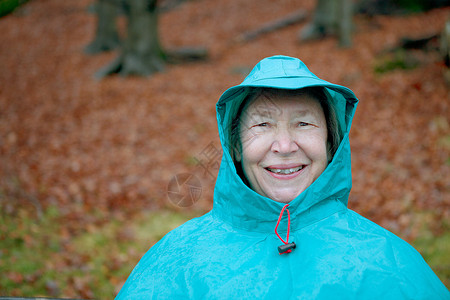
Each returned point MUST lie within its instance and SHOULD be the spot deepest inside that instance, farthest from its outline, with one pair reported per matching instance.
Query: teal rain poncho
(232, 251)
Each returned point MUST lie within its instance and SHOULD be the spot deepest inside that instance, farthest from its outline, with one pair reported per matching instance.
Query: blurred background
(104, 103)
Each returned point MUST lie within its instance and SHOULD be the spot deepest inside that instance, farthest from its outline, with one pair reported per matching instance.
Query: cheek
(254, 147)
(250, 153)
(314, 145)
(321, 151)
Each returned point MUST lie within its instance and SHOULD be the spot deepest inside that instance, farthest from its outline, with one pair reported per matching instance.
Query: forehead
(268, 103)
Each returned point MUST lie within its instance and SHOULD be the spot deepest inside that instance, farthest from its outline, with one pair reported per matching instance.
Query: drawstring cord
(288, 226)
(286, 247)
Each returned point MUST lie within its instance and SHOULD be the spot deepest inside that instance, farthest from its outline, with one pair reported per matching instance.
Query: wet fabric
(232, 251)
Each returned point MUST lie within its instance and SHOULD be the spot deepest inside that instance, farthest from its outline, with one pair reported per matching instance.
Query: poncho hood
(239, 205)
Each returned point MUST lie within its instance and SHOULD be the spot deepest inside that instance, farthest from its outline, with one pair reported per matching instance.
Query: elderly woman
(280, 227)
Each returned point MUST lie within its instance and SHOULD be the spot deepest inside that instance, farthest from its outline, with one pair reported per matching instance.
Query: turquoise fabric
(231, 252)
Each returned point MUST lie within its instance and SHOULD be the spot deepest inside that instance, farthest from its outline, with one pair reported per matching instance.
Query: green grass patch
(39, 258)
(435, 250)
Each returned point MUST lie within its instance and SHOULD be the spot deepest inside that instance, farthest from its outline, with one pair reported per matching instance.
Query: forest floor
(85, 163)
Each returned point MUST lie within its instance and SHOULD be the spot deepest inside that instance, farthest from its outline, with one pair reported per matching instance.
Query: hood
(240, 206)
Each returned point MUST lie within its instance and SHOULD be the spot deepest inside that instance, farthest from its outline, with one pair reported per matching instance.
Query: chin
(287, 200)
(284, 197)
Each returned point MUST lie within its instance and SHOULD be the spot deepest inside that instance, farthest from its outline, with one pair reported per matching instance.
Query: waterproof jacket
(232, 251)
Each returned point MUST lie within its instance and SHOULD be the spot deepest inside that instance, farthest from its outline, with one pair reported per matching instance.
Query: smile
(285, 171)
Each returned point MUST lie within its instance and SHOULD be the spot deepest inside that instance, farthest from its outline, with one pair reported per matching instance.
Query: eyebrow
(262, 113)
(303, 112)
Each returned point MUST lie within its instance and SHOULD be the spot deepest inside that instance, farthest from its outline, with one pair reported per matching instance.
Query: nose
(284, 142)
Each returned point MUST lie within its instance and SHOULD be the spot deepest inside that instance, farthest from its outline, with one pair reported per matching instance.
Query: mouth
(285, 171)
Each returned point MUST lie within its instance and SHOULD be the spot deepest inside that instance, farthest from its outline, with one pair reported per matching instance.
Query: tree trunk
(331, 17)
(345, 24)
(141, 50)
(106, 36)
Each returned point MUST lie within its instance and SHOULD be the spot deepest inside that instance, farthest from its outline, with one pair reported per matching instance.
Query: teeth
(285, 171)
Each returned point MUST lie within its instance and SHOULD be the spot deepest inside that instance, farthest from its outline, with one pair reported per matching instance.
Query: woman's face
(284, 145)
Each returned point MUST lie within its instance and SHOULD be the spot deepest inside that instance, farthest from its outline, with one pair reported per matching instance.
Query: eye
(261, 126)
(303, 124)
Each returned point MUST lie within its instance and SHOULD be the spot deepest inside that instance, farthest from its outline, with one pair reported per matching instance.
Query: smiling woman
(283, 145)
(286, 149)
